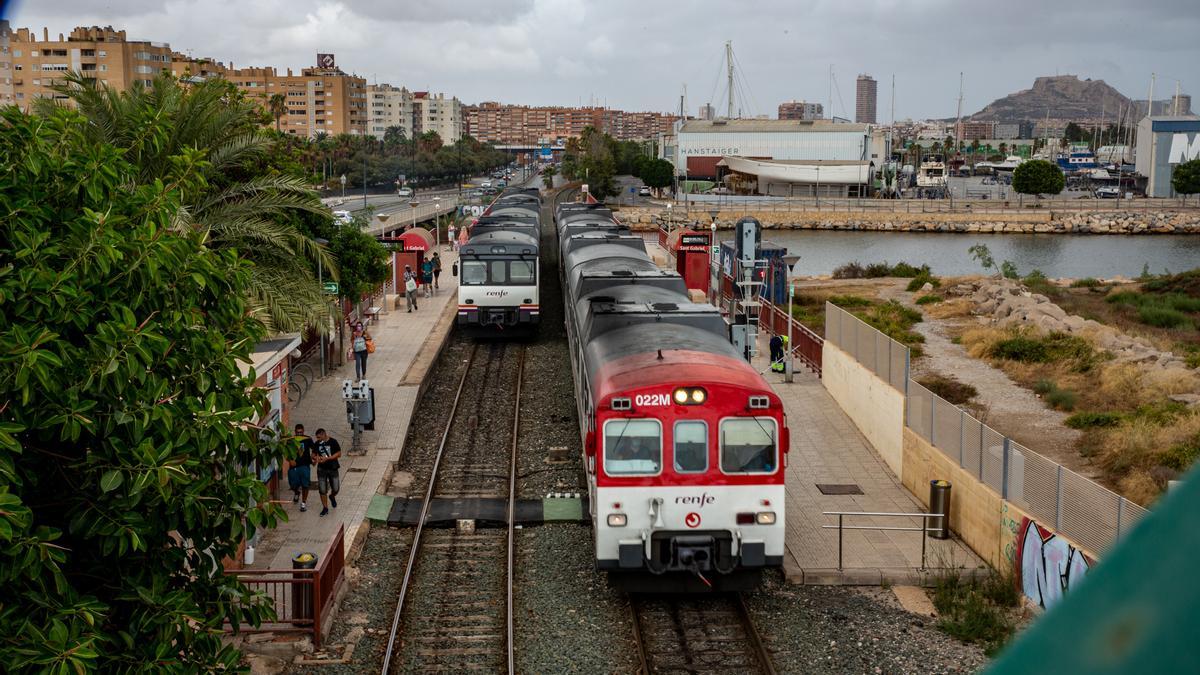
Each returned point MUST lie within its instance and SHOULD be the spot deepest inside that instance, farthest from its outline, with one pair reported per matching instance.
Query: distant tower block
(864, 102)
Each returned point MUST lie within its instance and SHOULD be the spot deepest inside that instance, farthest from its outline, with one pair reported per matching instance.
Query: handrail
(840, 527)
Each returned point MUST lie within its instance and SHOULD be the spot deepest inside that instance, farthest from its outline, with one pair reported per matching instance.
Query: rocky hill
(1065, 96)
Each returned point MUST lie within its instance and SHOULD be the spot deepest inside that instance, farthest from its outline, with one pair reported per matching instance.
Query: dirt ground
(1003, 405)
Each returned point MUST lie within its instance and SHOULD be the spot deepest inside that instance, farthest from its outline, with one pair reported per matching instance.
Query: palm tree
(244, 205)
(278, 107)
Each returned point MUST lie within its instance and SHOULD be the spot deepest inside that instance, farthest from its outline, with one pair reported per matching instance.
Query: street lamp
(437, 223)
(321, 282)
(790, 261)
(670, 222)
(343, 187)
(712, 253)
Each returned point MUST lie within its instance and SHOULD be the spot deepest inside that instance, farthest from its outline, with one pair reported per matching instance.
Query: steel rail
(756, 641)
(638, 640)
(512, 512)
(416, 542)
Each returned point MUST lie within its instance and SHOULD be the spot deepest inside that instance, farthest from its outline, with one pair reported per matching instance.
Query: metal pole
(321, 283)
(924, 536)
(839, 541)
(791, 364)
(364, 172)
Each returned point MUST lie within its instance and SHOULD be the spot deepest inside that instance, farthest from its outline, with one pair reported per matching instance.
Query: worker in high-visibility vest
(778, 349)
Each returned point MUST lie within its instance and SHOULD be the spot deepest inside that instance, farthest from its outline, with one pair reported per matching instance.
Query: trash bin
(939, 504)
(302, 593)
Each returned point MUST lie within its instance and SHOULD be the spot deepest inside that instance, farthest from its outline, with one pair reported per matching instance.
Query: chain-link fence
(1077, 507)
(875, 351)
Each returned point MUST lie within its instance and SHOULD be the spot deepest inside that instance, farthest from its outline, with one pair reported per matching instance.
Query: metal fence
(875, 351)
(1075, 506)
(1011, 204)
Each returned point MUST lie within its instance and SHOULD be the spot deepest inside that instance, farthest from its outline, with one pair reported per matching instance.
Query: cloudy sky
(638, 55)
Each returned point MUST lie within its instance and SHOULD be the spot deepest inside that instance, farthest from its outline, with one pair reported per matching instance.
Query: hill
(1065, 96)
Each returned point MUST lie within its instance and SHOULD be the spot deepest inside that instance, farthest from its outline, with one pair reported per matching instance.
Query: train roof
(565, 232)
(508, 218)
(567, 218)
(606, 250)
(512, 209)
(569, 207)
(522, 228)
(578, 241)
(664, 354)
(500, 243)
(597, 275)
(618, 306)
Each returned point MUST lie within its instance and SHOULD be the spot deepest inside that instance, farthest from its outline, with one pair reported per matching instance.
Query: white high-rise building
(389, 107)
(437, 113)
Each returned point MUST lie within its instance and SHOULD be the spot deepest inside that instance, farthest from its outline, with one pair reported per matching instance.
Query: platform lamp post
(321, 282)
(789, 261)
(343, 187)
(713, 252)
(670, 223)
(437, 223)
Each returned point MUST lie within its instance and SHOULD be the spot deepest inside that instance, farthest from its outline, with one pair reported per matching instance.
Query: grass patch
(918, 282)
(850, 301)
(1181, 456)
(856, 270)
(1164, 317)
(1037, 282)
(1062, 399)
(1093, 420)
(929, 299)
(975, 610)
(1086, 282)
(948, 388)
(1054, 347)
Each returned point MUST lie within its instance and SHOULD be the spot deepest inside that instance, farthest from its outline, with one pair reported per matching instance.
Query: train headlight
(690, 396)
(619, 520)
(762, 517)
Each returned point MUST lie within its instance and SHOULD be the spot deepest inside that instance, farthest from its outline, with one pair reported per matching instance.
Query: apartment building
(974, 130)
(389, 106)
(6, 80)
(865, 95)
(103, 53)
(504, 124)
(801, 110)
(321, 99)
(438, 114)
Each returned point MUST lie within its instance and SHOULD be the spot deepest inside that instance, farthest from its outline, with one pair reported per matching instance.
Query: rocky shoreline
(1033, 222)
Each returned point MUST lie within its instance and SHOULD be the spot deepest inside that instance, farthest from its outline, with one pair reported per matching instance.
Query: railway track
(697, 634)
(454, 610)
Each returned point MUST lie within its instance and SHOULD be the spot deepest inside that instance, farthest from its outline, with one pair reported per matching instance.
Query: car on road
(486, 184)
(404, 192)
(343, 216)
(1108, 192)
(501, 183)
(644, 191)
(475, 193)
(490, 191)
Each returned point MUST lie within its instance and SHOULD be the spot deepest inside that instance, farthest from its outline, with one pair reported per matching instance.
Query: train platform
(406, 346)
(828, 456)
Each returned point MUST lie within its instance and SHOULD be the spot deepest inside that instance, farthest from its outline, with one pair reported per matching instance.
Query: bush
(948, 388)
(1180, 457)
(1163, 317)
(1086, 282)
(929, 299)
(1043, 387)
(903, 269)
(1021, 348)
(877, 270)
(848, 301)
(1093, 420)
(1008, 269)
(971, 610)
(852, 270)
(1062, 399)
(919, 281)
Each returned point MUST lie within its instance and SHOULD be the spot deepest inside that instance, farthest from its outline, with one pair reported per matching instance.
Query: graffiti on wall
(1048, 565)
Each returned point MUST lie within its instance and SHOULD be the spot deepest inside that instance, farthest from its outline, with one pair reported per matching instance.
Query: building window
(32, 53)
(16, 52)
(102, 53)
(87, 52)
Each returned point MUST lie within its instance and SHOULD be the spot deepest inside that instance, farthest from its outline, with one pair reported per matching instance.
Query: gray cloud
(639, 55)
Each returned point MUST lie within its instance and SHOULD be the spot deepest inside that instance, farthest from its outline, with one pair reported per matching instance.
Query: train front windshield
(499, 273)
(748, 445)
(632, 447)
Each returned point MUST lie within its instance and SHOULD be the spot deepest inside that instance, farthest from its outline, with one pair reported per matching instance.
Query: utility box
(939, 504)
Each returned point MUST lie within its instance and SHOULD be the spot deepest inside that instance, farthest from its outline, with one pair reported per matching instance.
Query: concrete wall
(875, 407)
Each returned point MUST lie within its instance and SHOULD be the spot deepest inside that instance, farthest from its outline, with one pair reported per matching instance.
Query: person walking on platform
(361, 345)
(427, 276)
(410, 288)
(450, 237)
(299, 472)
(328, 483)
(437, 269)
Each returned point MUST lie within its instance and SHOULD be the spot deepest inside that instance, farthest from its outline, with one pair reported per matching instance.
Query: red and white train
(684, 443)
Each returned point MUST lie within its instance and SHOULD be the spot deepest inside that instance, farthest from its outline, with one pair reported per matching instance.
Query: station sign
(331, 287)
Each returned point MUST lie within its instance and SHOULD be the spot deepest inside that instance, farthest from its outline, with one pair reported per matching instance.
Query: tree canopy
(1037, 177)
(590, 158)
(128, 434)
(1185, 178)
(658, 173)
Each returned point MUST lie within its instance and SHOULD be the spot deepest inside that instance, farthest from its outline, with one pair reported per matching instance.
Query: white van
(404, 192)
(343, 216)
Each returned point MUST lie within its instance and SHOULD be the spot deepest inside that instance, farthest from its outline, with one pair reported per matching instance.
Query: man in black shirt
(326, 456)
(300, 472)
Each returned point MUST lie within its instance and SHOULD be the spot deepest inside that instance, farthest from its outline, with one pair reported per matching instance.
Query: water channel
(1056, 255)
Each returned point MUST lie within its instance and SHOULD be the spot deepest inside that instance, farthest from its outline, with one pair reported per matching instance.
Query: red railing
(301, 597)
(806, 345)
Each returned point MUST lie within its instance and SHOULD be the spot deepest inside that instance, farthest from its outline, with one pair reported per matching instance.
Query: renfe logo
(692, 519)
(697, 500)
(1182, 149)
(496, 294)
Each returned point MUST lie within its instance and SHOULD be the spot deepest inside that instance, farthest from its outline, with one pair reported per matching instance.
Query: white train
(498, 268)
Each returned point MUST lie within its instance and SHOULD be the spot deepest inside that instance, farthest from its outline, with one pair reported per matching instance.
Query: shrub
(1043, 387)
(1163, 317)
(1062, 399)
(1180, 457)
(950, 389)
(877, 270)
(1086, 282)
(968, 611)
(847, 301)
(903, 269)
(851, 270)
(929, 299)
(1021, 348)
(919, 281)
(1008, 269)
(1093, 420)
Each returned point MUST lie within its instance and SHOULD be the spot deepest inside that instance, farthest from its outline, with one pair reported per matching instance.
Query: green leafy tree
(548, 175)
(1185, 178)
(589, 158)
(658, 173)
(1037, 177)
(1008, 270)
(983, 255)
(128, 435)
(241, 204)
(278, 107)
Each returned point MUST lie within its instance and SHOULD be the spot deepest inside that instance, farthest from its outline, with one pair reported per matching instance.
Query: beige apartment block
(438, 114)
(6, 79)
(390, 106)
(105, 54)
(505, 124)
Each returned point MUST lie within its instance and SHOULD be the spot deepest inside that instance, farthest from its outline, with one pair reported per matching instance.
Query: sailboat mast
(729, 71)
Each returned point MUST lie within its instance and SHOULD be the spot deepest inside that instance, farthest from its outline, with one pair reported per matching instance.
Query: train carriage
(499, 269)
(684, 443)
